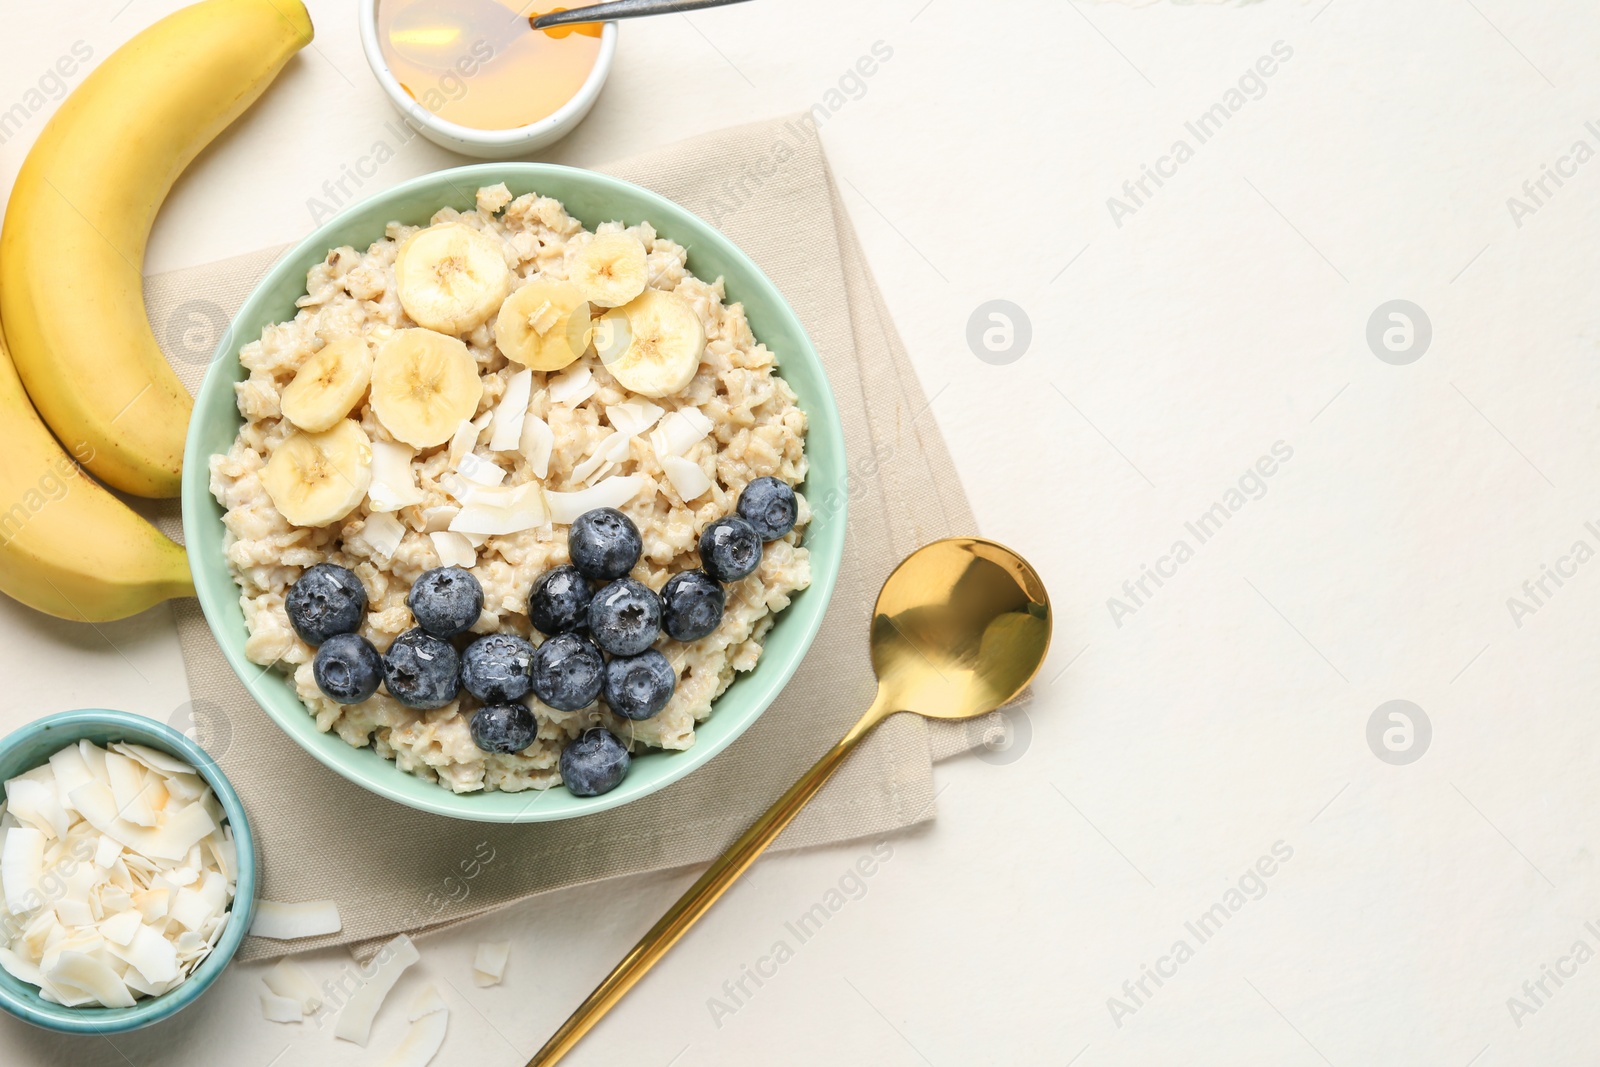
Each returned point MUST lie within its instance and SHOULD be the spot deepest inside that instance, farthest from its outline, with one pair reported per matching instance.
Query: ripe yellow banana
(73, 244)
(68, 547)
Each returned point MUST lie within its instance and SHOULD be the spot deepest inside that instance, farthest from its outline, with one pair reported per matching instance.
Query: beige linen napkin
(391, 869)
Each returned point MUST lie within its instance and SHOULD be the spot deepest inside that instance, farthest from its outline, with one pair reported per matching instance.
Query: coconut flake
(21, 867)
(70, 771)
(633, 417)
(226, 854)
(163, 764)
(610, 493)
(152, 903)
(462, 442)
(573, 386)
(613, 449)
(679, 431)
(454, 549)
(438, 518)
(394, 480)
(74, 912)
(121, 927)
(686, 477)
(355, 1019)
(276, 1009)
(490, 962)
(128, 790)
(151, 954)
(19, 968)
(186, 786)
(479, 471)
(422, 1041)
(537, 442)
(289, 979)
(94, 757)
(493, 512)
(384, 533)
(285, 922)
(191, 910)
(90, 976)
(36, 803)
(426, 1002)
(505, 433)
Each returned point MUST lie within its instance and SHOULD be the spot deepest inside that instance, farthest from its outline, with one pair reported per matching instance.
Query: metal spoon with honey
(624, 9)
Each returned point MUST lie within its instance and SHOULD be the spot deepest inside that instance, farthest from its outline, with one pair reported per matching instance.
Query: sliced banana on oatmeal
(661, 353)
(423, 385)
(611, 269)
(544, 325)
(328, 385)
(318, 478)
(451, 277)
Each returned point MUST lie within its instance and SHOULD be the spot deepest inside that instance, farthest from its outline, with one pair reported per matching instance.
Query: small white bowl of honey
(475, 77)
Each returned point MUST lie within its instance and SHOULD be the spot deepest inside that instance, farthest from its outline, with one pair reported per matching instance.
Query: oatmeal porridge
(512, 500)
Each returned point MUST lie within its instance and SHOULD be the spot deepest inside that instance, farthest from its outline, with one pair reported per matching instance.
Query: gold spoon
(960, 627)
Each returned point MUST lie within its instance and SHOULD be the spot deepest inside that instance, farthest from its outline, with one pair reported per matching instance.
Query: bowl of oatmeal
(514, 493)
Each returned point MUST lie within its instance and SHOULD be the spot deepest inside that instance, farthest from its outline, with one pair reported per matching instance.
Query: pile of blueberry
(583, 625)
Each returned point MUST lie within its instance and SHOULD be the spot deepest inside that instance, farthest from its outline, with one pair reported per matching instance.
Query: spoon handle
(704, 893)
(623, 9)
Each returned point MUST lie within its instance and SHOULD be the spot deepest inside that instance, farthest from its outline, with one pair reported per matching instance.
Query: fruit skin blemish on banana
(480, 63)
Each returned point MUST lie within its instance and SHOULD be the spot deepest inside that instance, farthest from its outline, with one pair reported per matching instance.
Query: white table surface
(1229, 712)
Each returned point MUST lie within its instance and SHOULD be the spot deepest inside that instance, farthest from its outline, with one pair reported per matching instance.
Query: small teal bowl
(592, 198)
(35, 743)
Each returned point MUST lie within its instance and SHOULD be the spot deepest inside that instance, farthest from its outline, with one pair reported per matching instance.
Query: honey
(480, 63)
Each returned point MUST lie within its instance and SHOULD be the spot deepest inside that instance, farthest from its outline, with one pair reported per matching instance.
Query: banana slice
(611, 335)
(611, 270)
(544, 325)
(450, 277)
(328, 385)
(665, 340)
(423, 385)
(318, 478)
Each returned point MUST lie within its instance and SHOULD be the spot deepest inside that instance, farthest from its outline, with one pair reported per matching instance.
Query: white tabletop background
(1172, 346)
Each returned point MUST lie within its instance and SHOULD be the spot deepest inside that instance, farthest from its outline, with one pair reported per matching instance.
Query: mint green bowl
(593, 198)
(35, 743)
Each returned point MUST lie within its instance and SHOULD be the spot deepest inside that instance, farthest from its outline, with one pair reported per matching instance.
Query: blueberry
(446, 601)
(421, 671)
(498, 668)
(604, 544)
(503, 727)
(559, 601)
(691, 605)
(625, 617)
(730, 549)
(347, 668)
(326, 600)
(768, 505)
(639, 686)
(593, 764)
(567, 671)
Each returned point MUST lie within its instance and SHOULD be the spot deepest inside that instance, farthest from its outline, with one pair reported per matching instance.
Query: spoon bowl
(960, 628)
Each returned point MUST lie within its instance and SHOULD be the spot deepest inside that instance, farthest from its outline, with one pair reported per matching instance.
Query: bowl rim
(558, 122)
(197, 502)
(91, 1021)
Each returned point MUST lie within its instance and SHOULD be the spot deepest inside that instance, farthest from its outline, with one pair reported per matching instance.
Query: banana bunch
(71, 291)
(72, 304)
